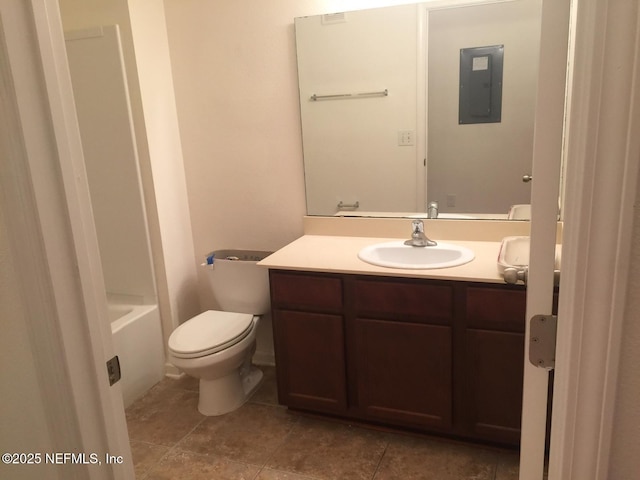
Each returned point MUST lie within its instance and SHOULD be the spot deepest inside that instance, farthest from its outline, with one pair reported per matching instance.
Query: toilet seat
(210, 332)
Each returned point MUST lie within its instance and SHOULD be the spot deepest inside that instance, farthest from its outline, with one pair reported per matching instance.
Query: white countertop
(339, 254)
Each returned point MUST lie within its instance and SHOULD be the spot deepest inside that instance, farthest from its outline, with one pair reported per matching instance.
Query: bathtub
(137, 341)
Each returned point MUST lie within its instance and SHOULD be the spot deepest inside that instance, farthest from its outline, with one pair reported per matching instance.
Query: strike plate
(113, 370)
(542, 341)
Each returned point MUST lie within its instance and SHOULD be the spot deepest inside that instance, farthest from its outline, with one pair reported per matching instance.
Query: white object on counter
(514, 253)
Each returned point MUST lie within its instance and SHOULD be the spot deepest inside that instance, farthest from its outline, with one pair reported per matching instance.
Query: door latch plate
(113, 370)
(542, 341)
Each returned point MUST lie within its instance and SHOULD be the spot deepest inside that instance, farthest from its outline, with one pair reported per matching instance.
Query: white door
(547, 155)
(47, 209)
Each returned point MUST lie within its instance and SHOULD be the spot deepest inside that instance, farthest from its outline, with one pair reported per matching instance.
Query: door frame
(603, 161)
(52, 236)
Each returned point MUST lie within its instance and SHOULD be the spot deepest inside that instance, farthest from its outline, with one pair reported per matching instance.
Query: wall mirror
(383, 133)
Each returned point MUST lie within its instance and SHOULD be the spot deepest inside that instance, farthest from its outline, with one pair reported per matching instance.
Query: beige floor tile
(145, 456)
(164, 415)
(268, 474)
(267, 392)
(329, 451)
(414, 458)
(186, 383)
(508, 466)
(250, 434)
(186, 465)
(170, 439)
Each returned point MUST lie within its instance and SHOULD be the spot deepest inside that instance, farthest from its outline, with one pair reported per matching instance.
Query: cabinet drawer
(306, 291)
(496, 308)
(410, 300)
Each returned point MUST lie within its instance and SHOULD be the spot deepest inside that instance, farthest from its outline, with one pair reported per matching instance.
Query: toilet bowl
(217, 346)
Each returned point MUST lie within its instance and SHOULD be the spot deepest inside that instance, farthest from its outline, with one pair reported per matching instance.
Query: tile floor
(263, 441)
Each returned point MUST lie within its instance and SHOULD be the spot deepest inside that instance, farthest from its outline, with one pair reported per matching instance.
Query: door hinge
(113, 370)
(542, 341)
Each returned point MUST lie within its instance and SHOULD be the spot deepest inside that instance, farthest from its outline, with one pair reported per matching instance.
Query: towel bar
(383, 93)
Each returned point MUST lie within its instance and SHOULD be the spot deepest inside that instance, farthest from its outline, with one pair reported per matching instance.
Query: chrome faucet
(432, 210)
(418, 238)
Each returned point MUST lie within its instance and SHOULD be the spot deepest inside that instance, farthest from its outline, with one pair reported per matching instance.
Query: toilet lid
(209, 332)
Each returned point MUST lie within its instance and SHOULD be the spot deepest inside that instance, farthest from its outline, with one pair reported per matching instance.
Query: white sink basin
(398, 255)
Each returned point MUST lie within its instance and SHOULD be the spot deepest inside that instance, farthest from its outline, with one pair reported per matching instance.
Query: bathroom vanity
(438, 351)
(430, 355)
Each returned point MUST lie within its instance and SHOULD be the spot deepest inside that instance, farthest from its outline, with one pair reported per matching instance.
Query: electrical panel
(481, 84)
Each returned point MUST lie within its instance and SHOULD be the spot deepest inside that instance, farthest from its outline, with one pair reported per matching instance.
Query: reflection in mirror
(478, 167)
(381, 118)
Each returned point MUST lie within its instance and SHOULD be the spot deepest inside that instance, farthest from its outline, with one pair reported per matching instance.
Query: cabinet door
(310, 360)
(404, 372)
(494, 384)
(493, 362)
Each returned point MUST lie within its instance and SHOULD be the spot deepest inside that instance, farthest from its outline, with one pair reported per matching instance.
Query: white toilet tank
(238, 283)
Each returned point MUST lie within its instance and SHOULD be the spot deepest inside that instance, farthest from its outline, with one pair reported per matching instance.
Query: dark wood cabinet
(403, 372)
(401, 348)
(309, 341)
(493, 362)
(435, 356)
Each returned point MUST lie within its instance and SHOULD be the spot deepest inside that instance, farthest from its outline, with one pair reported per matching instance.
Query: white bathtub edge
(138, 343)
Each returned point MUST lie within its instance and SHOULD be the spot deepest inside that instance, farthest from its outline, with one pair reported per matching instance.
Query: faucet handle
(418, 238)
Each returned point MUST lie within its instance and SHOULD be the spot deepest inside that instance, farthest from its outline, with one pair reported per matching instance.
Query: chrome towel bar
(383, 93)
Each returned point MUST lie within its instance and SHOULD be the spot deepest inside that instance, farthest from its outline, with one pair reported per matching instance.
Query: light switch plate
(406, 138)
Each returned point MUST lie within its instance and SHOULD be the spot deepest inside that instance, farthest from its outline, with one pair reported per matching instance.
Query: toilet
(216, 346)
